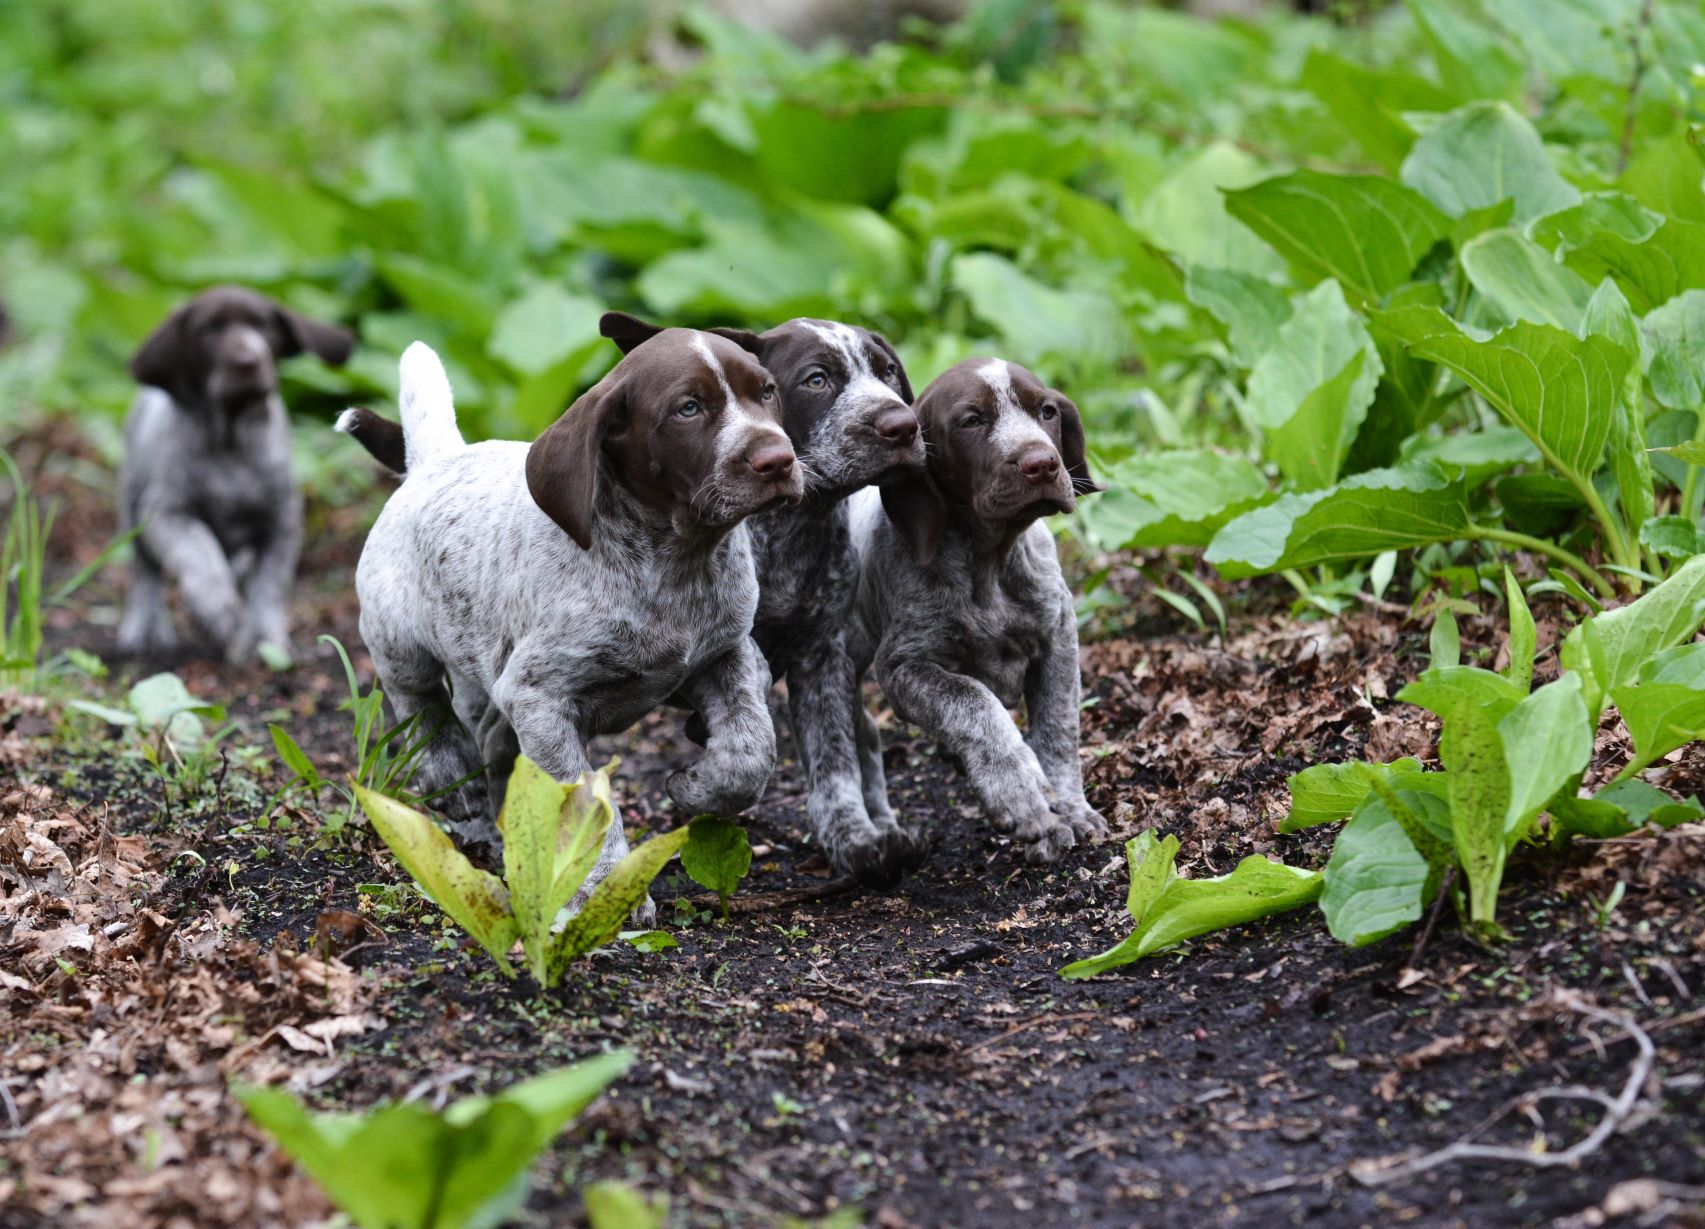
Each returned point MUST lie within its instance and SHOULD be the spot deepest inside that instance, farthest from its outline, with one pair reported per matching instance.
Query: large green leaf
(1251, 308)
(1368, 514)
(615, 897)
(1171, 497)
(1310, 393)
(1653, 270)
(1366, 231)
(1327, 792)
(475, 900)
(1480, 797)
(1168, 910)
(1186, 215)
(1675, 339)
(1666, 708)
(1597, 213)
(1471, 55)
(543, 328)
(1370, 104)
(1481, 154)
(1622, 807)
(1376, 882)
(1609, 649)
(1523, 281)
(552, 835)
(1557, 388)
(1547, 741)
(1036, 321)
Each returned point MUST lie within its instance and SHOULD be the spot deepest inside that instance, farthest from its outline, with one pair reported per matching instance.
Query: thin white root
(1617, 1111)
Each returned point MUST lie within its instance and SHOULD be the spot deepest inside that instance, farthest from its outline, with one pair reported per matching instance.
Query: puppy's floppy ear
(330, 343)
(562, 464)
(161, 360)
(905, 384)
(627, 331)
(747, 340)
(1072, 450)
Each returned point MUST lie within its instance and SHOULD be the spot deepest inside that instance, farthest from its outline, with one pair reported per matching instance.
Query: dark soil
(911, 1054)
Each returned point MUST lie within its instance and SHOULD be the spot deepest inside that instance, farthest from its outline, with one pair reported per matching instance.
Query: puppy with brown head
(207, 473)
(962, 606)
(527, 598)
(846, 405)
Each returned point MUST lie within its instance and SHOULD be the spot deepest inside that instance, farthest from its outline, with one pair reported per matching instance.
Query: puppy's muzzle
(896, 427)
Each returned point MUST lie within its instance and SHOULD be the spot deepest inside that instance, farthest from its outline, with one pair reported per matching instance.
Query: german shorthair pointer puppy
(845, 403)
(962, 607)
(207, 474)
(544, 594)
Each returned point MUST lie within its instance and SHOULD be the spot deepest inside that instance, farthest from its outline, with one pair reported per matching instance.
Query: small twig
(1382, 605)
(763, 902)
(1044, 1018)
(1661, 1026)
(1626, 145)
(1422, 939)
(1639, 990)
(1616, 1112)
(1290, 1182)
(16, 1130)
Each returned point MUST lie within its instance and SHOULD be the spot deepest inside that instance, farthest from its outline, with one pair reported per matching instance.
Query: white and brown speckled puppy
(963, 610)
(526, 598)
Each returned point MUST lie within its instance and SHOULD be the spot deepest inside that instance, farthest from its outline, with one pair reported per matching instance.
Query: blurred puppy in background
(207, 475)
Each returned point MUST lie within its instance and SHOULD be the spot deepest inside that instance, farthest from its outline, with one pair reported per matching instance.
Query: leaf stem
(1690, 484)
(1551, 550)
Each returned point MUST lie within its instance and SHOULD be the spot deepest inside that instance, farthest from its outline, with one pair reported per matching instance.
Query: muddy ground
(907, 1057)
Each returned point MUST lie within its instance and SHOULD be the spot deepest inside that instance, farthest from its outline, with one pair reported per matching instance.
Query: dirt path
(911, 1054)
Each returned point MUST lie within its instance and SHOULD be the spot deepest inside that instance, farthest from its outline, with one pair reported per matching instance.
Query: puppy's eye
(816, 380)
(1049, 410)
(972, 419)
(769, 392)
(689, 409)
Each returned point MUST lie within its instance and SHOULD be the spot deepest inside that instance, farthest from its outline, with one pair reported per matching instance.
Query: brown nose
(247, 364)
(1039, 465)
(771, 460)
(897, 427)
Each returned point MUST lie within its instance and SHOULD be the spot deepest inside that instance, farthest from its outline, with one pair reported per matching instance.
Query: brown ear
(330, 343)
(747, 340)
(1072, 450)
(627, 331)
(905, 384)
(562, 464)
(916, 509)
(161, 360)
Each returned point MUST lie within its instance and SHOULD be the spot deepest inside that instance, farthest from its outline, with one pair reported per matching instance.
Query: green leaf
(552, 835)
(1368, 514)
(615, 897)
(1186, 215)
(615, 1205)
(107, 713)
(1251, 308)
(545, 327)
(1609, 649)
(1327, 792)
(1168, 910)
(1549, 383)
(1442, 689)
(475, 900)
(1470, 54)
(1597, 213)
(294, 758)
(1652, 271)
(1480, 797)
(1036, 321)
(1481, 154)
(1171, 497)
(1369, 104)
(717, 856)
(1444, 642)
(162, 702)
(1672, 537)
(1524, 636)
(1523, 281)
(1675, 339)
(1666, 709)
(1376, 882)
(1547, 740)
(1311, 391)
(1620, 808)
(649, 940)
(1364, 230)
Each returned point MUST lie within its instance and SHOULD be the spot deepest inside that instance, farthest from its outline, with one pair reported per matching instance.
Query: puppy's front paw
(1086, 822)
(883, 860)
(644, 917)
(705, 790)
(1050, 845)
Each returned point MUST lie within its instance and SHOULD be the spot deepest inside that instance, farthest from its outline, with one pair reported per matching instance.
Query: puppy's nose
(771, 460)
(245, 362)
(897, 427)
(1039, 465)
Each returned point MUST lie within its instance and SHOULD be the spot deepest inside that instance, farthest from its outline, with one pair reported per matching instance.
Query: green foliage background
(1223, 237)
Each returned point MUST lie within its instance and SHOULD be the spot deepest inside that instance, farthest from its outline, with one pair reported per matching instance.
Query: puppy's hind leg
(413, 683)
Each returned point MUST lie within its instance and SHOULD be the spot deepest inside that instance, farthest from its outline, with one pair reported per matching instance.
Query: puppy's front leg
(268, 590)
(729, 693)
(190, 555)
(1052, 704)
(971, 722)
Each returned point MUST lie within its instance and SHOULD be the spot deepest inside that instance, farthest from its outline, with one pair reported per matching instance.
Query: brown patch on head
(687, 423)
(221, 347)
(1002, 446)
